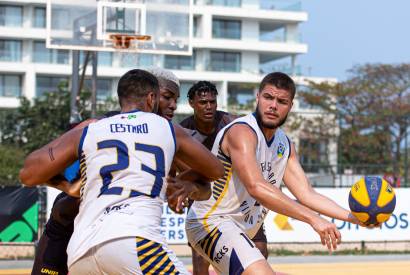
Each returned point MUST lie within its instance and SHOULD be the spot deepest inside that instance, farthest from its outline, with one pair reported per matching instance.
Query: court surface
(293, 265)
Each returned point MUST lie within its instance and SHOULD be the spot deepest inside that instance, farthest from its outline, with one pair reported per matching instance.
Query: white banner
(280, 228)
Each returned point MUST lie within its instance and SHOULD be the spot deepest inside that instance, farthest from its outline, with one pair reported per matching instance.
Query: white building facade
(236, 43)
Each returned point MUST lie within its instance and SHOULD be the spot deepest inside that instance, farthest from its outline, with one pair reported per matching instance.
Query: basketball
(372, 200)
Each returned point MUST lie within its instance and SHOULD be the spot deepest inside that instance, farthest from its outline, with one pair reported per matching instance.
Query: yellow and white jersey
(230, 199)
(123, 163)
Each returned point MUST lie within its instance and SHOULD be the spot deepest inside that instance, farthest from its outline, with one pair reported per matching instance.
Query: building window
(61, 18)
(50, 84)
(183, 92)
(134, 60)
(104, 88)
(103, 58)
(10, 85)
(230, 29)
(225, 61)
(39, 17)
(313, 155)
(179, 62)
(43, 55)
(197, 26)
(241, 97)
(11, 16)
(271, 32)
(10, 50)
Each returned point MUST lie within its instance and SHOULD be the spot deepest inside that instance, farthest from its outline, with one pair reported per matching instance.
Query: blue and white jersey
(123, 163)
(230, 199)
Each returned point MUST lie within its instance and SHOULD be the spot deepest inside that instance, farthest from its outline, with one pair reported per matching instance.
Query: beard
(269, 124)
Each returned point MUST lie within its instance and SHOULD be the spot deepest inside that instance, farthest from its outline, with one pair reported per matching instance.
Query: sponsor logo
(221, 253)
(48, 271)
(115, 208)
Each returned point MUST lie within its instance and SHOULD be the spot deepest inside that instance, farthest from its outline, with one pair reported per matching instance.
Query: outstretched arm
(243, 156)
(297, 182)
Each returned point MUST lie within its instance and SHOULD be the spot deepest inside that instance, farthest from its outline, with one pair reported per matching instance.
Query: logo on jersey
(281, 150)
(115, 208)
(129, 117)
(48, 271)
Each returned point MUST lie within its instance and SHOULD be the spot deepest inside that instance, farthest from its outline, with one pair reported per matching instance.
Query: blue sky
(344, 33)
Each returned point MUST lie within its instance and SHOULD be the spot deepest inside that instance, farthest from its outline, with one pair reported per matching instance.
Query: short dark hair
(202, 87)
(280, 81)
(136, 84)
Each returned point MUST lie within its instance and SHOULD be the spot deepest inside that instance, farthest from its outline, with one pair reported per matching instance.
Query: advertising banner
(280, 228)
(18, 214)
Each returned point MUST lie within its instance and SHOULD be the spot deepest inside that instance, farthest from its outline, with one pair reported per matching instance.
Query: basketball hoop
(124, 41)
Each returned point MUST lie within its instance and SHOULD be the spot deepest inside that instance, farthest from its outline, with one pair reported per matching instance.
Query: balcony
(282, 5)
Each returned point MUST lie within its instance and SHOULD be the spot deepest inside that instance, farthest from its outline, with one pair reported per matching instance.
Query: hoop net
(125, 41)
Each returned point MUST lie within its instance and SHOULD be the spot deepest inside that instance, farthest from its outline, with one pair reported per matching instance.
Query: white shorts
(130, 255)
(228, 249)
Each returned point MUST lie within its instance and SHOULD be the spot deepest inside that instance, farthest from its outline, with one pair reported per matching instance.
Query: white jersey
(230, 198)
(123, 162)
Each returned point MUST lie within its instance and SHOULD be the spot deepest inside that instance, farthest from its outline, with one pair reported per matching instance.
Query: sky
(344, 33)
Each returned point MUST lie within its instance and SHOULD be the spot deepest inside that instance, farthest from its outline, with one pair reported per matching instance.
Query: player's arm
(197, 156)
(242, 152)
(50, 160)
(53, 155)
(296, 181)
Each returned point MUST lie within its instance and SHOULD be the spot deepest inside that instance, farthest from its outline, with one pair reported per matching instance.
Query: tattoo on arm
(50, 154)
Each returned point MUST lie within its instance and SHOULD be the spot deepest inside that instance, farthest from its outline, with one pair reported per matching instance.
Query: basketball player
(123, 162)
(255, 164)
(51, 255)
(204, 125)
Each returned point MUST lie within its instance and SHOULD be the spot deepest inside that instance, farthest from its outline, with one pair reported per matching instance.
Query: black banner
(18, 214)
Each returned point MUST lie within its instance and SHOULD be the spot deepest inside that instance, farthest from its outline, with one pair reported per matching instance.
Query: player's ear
(152, 104)
(257, 98)
(191, 103)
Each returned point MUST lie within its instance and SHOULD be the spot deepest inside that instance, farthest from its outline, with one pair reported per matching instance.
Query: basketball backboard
(144, 26)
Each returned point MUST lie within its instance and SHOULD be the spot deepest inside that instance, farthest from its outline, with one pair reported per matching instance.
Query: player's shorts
(130, 255)
(51, 257)
(228, 249)
(260, 235)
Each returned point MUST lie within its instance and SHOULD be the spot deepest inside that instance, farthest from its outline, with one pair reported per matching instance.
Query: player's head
(138, 89)
(202, 98)
(274, 99)
(168, 92)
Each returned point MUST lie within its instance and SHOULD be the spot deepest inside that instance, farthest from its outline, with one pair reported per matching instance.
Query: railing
(284, 5)
(346, 175)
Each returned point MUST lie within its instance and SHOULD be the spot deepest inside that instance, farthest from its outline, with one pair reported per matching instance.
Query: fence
(346, 175)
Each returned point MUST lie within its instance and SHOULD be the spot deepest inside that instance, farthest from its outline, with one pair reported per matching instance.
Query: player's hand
(60, 183)
(328, 232)
(178, 194)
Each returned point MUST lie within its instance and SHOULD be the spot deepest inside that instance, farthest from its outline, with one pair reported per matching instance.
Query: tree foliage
(34, 124)
(372, 108)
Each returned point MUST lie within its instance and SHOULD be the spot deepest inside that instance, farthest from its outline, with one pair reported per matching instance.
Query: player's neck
(132, 107)
(268, 132)
(206, 128)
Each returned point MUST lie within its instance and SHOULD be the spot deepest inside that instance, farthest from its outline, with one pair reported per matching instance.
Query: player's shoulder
(188, 123)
